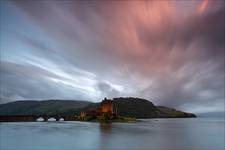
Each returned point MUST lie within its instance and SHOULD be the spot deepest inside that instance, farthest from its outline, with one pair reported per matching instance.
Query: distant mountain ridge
(128, 106)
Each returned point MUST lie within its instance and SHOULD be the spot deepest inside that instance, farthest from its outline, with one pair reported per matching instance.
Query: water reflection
(164, 134)
(105, 128)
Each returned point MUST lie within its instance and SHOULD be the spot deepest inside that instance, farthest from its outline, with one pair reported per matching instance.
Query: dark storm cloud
(107, 90)
(159, 50)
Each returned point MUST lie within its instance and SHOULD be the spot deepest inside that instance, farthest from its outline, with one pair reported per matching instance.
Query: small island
(121, 109)
(104, 113)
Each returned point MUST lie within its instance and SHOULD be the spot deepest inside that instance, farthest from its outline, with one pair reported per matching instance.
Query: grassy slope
(134, 107)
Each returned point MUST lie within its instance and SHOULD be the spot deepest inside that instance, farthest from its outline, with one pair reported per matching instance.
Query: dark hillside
(128, 107)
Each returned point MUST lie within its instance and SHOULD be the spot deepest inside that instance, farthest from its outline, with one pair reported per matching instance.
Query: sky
(169, 52)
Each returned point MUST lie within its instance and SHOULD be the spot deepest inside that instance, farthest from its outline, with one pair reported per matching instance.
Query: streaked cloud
(202, 6)
(170, 52)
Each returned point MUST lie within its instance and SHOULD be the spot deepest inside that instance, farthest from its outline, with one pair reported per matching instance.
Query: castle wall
(106, 107)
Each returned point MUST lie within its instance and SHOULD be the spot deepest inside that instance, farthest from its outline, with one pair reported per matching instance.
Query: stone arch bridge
(27, 118)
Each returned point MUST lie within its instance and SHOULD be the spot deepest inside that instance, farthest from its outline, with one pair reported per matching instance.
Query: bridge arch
(61, 119)
(49, 118)
(40, 119)
(52, 119)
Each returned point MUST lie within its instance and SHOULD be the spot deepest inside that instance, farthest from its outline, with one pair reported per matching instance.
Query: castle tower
(106, 106)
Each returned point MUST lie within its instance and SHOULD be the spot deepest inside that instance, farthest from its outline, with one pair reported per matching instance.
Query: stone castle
(105, 108)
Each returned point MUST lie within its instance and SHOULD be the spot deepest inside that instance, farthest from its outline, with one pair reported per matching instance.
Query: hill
(141, 108)
(128, 107)
(48, 107)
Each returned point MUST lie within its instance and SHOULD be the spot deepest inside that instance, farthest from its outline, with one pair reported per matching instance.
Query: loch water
(155, 134)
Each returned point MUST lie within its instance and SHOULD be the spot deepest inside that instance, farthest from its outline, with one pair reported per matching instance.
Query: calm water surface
(156, 134)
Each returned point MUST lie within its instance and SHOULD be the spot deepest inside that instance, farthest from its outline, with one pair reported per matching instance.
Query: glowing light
(202, 6)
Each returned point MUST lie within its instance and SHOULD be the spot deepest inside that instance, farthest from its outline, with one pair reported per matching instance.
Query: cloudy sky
(169, 52)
